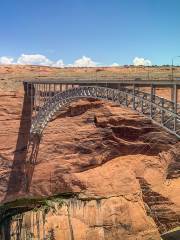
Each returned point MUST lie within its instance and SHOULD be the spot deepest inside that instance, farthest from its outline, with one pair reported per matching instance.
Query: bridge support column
(49, 92)
(174, 93)
(162, 111)
(174, 99)
(54, 87)
(39, 95)
(45, 92)
(134, 98)
(35, 97)
(119, 86)
(153, 91)
(175, 96)
(30, 93)
(60, 87)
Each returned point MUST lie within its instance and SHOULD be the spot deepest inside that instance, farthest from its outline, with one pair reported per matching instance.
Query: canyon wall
(121, 173)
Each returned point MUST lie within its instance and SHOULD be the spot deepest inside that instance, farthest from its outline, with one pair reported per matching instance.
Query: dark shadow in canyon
(25, 153)
(159, 207)
(31, 160)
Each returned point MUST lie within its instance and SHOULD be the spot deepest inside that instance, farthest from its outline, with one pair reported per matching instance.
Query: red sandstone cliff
(124, 170)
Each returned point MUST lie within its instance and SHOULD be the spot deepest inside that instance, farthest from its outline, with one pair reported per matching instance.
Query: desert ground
(11, 76)
(117, 173)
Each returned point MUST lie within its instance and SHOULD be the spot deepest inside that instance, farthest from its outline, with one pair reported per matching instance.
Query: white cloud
(141, 61)
(83, 62)
(59, 63)
(114, 65)
(6, 60)
(34, 59)
(42, 60)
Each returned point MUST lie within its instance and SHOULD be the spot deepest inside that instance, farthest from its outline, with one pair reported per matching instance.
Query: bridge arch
(157, 109)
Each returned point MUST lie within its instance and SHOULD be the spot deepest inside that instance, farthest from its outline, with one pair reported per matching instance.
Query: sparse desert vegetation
(11, 76)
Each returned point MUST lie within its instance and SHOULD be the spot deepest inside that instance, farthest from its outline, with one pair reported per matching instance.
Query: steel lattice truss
(160, 110)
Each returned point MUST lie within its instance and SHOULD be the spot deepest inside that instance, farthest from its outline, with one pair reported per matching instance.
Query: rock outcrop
(121, 172)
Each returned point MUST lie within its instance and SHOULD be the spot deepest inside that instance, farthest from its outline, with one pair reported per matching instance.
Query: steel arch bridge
(158, 109)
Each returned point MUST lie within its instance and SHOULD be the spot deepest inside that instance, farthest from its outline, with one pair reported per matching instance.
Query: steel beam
(152, 99)
(175, 106)
(159, 109)
(134, 98)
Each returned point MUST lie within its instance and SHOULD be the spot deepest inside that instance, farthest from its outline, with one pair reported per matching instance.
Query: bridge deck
(160, 83)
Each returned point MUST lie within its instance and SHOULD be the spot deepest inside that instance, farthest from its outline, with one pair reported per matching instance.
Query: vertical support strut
(35, 98)
(40, 95)
(162, 111)
(153, 91)
(172, 94)
(134, 98)
(54, 89)
(175, 105)
(26, 88)
(44, 93)
(29, 93)
(49, 92)
(32, 97)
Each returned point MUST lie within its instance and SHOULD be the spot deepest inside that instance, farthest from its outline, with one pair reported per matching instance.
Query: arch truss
(162, 111)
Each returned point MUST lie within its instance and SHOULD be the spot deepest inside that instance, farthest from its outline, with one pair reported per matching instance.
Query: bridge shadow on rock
(25, 155)
(31, 159)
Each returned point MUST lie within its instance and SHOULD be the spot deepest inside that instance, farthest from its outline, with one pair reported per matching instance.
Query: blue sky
(106, 31)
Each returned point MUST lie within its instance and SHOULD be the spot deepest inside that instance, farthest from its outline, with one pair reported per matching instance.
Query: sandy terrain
(122, 173)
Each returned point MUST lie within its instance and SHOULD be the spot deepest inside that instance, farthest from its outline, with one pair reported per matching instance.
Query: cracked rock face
(124, 169)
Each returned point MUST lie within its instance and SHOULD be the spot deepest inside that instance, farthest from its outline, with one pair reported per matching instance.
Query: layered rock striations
(121, 173)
